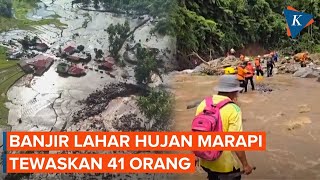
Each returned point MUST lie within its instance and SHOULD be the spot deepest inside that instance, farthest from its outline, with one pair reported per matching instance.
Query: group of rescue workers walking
(221, 113)
(246, 71)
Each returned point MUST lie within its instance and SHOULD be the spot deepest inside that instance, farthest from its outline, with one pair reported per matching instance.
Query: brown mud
(290, 116)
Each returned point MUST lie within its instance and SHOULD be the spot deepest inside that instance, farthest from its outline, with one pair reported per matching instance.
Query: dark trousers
(243, 85)
(269, 70)
(251, 82)
(259, 72)
(215, 175)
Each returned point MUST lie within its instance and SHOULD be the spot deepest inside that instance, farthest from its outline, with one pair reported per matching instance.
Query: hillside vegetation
(223, 24)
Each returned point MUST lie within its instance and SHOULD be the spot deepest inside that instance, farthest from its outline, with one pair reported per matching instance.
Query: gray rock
(198, 69)
(306, 73)
(292, 68)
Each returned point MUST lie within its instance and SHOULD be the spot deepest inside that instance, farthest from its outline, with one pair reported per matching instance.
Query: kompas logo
(296, 21)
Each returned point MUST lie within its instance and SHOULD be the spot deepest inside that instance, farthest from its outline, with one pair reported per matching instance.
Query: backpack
(209, 121)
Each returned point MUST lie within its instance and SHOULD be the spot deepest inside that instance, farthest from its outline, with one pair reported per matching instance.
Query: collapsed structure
(37, 65)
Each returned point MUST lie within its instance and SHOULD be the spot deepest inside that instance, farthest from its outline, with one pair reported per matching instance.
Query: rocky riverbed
(283, 66)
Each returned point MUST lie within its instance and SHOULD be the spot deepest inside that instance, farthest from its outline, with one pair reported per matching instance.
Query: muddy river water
(289, 115)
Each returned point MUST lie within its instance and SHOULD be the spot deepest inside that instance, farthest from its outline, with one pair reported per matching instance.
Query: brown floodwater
(290, 115)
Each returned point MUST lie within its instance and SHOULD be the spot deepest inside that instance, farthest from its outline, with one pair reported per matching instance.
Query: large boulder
(306, 73)
(291, 68)
(198, 69)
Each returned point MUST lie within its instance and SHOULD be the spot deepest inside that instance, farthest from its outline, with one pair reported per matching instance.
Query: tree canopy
(117, 35)
(220, 25)
(146, 66)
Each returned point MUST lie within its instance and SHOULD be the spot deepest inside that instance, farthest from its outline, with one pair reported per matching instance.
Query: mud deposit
(289, 114)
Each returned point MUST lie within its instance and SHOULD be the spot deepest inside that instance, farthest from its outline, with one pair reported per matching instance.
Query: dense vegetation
(146, 65)
(157, 105)
(223, 24)
(117, 35)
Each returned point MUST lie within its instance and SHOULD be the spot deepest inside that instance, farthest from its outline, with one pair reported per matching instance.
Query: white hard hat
(259, 56)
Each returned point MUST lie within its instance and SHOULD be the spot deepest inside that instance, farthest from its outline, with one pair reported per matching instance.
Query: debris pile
(129, 122)
(99, 100)
(216, 66)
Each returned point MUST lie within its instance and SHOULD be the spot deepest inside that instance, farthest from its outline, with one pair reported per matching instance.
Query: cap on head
(228, 83)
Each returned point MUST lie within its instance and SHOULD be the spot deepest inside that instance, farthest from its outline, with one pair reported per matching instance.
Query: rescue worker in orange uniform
(249, 75)
(241, 75)
(257, 63)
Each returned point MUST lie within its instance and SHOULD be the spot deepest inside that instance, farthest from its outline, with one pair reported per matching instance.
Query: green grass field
(21, 8)
(10, 72)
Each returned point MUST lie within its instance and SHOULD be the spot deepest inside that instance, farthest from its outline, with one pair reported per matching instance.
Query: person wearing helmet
(232, 51)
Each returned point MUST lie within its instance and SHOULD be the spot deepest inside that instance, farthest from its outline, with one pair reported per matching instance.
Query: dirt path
(290, 115)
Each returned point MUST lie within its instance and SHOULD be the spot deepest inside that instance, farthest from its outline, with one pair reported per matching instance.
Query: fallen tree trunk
(197, 55)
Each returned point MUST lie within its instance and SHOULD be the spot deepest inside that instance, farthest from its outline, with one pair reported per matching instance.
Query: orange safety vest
(250, 70)
(241, 73)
